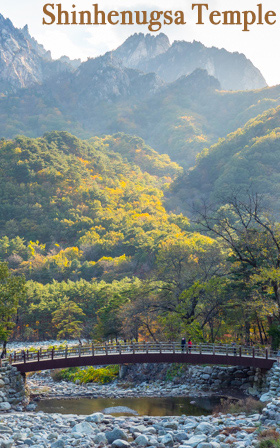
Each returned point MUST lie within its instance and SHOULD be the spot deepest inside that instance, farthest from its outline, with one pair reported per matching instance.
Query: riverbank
(42, 386)
(58, 431)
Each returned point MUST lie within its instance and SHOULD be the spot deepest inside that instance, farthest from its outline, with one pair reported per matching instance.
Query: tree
(66, 319)
(12, 290)
(182, 265)
(253, 238)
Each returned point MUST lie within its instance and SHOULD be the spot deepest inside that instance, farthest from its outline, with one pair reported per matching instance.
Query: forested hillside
(248, 159)
(87, 210)
(179, 119)
(102, 225)
(85, 222)
(85, 214)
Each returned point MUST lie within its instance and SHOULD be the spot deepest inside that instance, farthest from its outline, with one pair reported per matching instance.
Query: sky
(261, 44)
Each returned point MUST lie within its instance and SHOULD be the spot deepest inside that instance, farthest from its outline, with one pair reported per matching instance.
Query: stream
(160, 406)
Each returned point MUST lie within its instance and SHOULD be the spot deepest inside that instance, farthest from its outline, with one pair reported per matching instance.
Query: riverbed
(164, 406)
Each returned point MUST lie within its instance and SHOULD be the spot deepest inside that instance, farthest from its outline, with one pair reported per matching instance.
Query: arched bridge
(93, 355)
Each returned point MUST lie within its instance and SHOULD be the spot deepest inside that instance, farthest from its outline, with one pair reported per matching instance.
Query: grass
(175, 370)
(102, 375)
(232, 406)
(269, 438)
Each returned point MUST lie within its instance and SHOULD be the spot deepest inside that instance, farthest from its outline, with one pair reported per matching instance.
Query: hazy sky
(261, 44)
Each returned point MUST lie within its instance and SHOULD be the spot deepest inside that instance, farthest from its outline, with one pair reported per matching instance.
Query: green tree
(253, 239)
(12, 290)
(66, 319)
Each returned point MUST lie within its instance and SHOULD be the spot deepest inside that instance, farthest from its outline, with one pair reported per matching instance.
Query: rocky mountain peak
(18, 62)
(140, 47)
(23, 61)
(196, 84)
(155, 54)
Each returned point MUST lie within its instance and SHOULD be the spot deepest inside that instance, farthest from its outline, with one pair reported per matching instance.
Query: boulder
(7, 443)
(58, 444)
(196, 440)
(100, 438)
(171, 425)
(265, 397)
(5, 406)
(167, 440)
(120, 444)
(115, 434)
(142, 440)
(180, 436)
(97, 417)
(205, 428)
(84, 428)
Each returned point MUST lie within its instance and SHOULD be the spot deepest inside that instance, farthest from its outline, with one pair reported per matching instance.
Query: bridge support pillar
(122, 371)
(23, 375)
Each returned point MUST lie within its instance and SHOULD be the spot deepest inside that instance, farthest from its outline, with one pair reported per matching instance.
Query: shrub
(232, 406)
(175, 370)
(101, 375)
(269, 438)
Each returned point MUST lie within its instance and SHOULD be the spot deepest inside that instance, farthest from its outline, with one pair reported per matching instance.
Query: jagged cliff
(155, 54)
(141, 48)
(24, 62)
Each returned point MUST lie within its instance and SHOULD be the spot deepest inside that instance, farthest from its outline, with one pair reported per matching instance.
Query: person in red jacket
(189, 345)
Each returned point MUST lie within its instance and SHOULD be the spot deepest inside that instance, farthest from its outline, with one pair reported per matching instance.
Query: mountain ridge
(170, 62)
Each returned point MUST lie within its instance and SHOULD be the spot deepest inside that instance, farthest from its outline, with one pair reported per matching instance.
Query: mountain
(24, 62)
(106, 94)
(247, 159)
(103, 97)
(91, 207)
(140, 48)
(155, 54)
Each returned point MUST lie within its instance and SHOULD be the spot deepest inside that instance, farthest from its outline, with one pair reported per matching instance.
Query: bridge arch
(93, 355)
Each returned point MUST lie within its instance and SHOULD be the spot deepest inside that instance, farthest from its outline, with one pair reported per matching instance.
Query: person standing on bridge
(189, 346)
(183, 344)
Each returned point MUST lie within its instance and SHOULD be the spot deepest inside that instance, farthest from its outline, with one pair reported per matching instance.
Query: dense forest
(157, 216)
(87, 223)
(247, 159)
(179, 119)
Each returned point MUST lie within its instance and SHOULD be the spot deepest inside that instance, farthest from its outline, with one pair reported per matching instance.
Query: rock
(100, 438)
(205, 427)
(189, 426)
(171, 425)
(120, 410)
(139, 428)
(83, 428)
(31, 407)
(115, 434)
(120, 444)
(265, 397)
(97, 417)
(5, 406)
(181, 436)
(205, 377)
(58, 444)
(7, 443)
(196, 440)
(5, 430)
(141, 440)
(167, 440)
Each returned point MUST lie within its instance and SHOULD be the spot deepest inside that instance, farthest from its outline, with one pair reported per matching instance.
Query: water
(166, 406)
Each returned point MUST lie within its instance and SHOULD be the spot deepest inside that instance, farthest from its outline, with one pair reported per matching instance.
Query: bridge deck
(93, 355)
